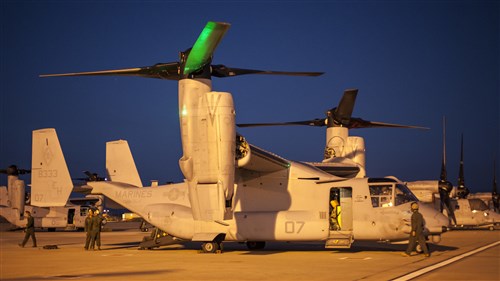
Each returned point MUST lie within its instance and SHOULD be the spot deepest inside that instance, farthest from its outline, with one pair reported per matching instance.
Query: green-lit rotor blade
(205, 46)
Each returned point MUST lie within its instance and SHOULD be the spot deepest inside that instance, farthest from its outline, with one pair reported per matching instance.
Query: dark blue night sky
(412, 61)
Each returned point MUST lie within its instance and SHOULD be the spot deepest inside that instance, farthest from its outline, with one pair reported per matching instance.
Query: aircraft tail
(120, 164)
(51, 182)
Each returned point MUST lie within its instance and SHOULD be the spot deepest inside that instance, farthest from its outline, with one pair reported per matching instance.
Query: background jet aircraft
(258, 196)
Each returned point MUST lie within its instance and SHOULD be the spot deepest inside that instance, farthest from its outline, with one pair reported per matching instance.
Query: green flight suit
(417, 233)
(96, 232)
(30, 231)
(88, 230)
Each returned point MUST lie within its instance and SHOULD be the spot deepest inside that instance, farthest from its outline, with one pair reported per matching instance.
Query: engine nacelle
(340, 144)
(16, 193)
(208, 133)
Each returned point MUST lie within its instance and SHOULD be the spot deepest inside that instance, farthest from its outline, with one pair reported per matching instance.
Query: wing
(260, 160)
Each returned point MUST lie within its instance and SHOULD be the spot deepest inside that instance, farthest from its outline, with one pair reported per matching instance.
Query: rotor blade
(462, 190)
(461, 178)
(205, 45)
(443, 163)
(13, 170)
(221, 71)
(160, 71)
(343, 113)
(357, 123)
(494, 190)
(315, 122)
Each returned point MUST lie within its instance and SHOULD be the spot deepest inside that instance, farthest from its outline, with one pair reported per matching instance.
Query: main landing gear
(212, 247)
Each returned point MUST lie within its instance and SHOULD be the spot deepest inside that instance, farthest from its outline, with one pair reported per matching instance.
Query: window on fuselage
(381, 195)
(403, 195)
(84, 211)
(477, 205)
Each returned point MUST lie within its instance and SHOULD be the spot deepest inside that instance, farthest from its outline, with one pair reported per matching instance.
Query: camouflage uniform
(96, 231)
(88, 230)
(417, 233)
(30, 231)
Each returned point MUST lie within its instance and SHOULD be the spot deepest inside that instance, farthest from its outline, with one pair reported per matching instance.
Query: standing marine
(30, 230)
(96, 231)
(88, 229)
(417, 232)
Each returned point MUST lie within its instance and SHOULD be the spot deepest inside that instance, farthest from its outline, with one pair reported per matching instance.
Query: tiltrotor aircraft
(51, 185)
(235, 191)
(462, 210)
(344, 155)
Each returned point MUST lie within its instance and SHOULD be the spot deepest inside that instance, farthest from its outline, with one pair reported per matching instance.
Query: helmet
(334, 203)
(96, 212)
(414, 206)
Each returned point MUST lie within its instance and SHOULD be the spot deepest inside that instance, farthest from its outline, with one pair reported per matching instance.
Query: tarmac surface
(466, 255)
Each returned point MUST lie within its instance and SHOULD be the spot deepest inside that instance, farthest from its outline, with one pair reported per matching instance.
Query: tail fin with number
(51, 182)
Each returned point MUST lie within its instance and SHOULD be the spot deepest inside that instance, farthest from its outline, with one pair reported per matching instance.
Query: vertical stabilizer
(120, 164)
(51, 183)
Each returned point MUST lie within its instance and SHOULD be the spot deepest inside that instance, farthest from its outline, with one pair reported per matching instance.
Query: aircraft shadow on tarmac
(96, 276)
(281, 247)
(353, 249)
(124, 245)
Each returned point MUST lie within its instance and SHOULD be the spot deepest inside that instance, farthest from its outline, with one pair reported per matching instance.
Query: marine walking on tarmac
(417, 232)
(30, 230)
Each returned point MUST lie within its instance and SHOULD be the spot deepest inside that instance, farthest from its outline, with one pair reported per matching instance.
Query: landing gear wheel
(256, 245)
(210, 247)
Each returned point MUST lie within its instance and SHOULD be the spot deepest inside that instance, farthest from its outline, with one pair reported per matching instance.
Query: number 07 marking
(294, 226)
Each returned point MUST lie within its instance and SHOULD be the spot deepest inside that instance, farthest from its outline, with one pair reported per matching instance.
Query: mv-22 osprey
(235, 191)
(51, 185)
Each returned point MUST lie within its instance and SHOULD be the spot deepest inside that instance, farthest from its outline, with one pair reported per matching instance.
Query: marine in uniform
(88, 229)
(30, 230)
(417, 232)
(96, 231)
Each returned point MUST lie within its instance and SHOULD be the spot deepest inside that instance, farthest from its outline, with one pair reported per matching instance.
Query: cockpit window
(477, 205)
(381, 195)
(403, 195)
(388, 195)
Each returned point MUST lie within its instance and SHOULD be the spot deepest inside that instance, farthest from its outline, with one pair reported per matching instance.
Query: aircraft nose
(435, 221)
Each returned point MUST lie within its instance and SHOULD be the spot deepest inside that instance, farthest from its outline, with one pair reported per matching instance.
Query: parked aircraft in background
(235, 191)
(51, 186)
(463, 209)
